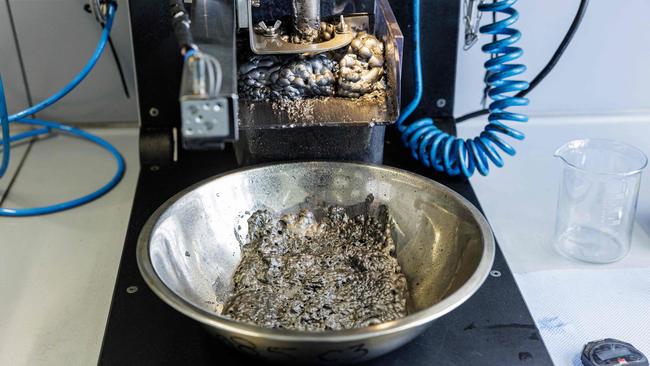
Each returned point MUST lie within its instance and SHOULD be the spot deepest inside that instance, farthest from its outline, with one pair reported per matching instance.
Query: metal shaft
(211, 20)
(306, 18)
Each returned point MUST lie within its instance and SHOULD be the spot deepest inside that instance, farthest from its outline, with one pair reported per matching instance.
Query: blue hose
(77, 79)
(46, 127)
(455, 156)
(4, 125)
(417, 69)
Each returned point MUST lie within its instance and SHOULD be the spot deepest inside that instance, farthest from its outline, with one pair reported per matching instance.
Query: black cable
(19, 167)
(119, 67)
(549, 66)
(116, 58)
(180, 21)
(19, 53)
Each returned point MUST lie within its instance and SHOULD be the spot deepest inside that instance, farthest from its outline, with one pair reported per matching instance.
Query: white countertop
(572, 302)
(57, 272)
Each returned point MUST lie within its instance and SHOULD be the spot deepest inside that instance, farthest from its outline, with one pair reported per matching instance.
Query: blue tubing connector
(455, 156)
(45, 127)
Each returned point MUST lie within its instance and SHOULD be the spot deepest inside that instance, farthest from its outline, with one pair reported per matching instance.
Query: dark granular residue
(300, 273)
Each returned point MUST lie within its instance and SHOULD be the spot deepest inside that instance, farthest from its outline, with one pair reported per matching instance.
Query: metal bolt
(154, 112)
(267, 31)
(495, 273)
(131, 289)
(441, 102)
(154, 168)
(342, 27)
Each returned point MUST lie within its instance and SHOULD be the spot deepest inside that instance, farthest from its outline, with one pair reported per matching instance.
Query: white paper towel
(574, 307)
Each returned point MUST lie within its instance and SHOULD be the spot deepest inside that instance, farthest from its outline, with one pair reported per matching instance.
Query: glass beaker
(598, 197)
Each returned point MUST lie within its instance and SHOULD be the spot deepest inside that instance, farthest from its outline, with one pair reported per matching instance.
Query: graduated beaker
(596, 207)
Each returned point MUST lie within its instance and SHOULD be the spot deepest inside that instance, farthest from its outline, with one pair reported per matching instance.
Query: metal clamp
(100, 9)
(472, 20)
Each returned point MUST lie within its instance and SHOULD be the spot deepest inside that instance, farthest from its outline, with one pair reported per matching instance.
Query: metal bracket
(242, 14)
(263, 44)
(207, 123)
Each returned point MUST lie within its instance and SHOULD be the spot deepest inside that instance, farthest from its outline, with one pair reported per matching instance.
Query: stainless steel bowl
(190, 248)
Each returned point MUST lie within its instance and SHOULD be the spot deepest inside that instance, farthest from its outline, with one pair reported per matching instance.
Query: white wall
(56, 38)
(605, 70)
(10, 64)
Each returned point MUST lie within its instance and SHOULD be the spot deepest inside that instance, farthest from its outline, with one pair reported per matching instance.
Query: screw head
(131, 289)
(154, 112)
(154, 168)
(441, 102)
(495, 273)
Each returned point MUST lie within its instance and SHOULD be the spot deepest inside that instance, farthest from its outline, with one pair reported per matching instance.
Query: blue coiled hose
(46, 127)
(455, 156)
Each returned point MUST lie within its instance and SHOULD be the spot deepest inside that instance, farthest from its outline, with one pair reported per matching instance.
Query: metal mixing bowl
(190, 248)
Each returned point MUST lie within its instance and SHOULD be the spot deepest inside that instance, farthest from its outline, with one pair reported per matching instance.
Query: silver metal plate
(263, 45)
(205, 118)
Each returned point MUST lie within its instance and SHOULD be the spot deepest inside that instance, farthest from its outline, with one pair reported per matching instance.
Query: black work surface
(493, 327)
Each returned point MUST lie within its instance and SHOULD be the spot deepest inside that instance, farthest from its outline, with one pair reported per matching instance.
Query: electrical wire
(77, 79)
(47, 126)
(118, 64)
(568, 37)
(120, 70)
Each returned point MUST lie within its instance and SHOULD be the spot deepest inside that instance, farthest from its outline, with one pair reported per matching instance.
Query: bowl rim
(225, 324)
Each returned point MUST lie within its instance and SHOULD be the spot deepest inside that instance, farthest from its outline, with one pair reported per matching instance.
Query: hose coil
(455, 156)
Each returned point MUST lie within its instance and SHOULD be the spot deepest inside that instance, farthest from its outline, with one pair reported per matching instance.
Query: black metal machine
(303, 128)
(216, 126)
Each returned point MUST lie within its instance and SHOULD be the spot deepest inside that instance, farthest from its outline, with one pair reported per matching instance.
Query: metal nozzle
(306, 18)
